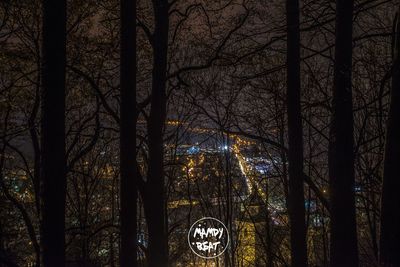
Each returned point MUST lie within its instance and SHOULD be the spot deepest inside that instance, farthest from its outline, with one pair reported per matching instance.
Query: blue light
(193, 150)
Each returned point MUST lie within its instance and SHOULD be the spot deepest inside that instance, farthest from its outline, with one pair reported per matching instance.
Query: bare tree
(154, 195)
(53, 162)
(341, 145)
(128, 188)
(390, 215)
(295, 134)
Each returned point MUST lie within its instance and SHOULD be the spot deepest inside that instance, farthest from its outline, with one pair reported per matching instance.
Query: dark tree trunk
(390, 211)
(155, 195)
(53, 162)
(128, 186)
(295, 133)
(343, 239)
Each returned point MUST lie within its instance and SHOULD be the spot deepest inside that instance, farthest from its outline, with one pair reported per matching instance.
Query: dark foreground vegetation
(124, 122)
